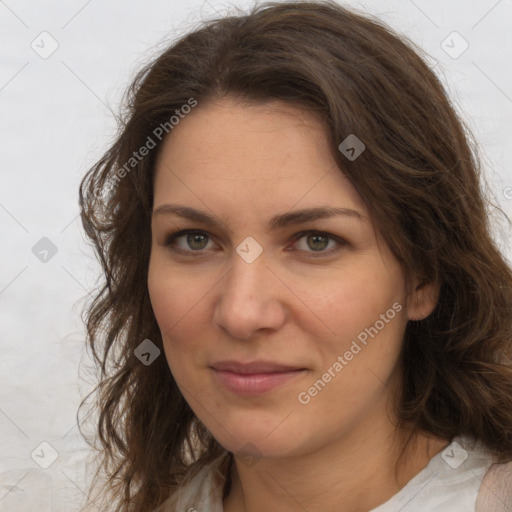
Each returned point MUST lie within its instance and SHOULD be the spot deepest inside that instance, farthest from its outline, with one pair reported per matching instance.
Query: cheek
(174, 295)
(164, 300)
(365, 314)
(177, 307)
(356, 300)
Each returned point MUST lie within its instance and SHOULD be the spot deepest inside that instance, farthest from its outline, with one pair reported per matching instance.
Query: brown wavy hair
(419, 176)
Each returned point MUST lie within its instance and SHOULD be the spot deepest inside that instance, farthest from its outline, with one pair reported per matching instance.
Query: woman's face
(260, 284)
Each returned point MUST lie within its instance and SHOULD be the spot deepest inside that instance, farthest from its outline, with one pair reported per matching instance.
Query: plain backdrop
(55, 122)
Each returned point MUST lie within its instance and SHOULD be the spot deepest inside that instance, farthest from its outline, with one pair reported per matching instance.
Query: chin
(253, 440)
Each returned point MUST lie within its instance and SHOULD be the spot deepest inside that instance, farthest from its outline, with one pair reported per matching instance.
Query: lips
(254, 378)
(254, 367)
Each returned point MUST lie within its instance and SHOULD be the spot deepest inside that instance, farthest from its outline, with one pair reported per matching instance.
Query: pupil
(193, 237)
(318, 246)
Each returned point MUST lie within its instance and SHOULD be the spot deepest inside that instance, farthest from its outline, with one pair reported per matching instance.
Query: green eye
(197, 241)
(316, 242)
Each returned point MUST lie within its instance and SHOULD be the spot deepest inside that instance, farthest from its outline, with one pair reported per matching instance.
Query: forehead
(270, 152)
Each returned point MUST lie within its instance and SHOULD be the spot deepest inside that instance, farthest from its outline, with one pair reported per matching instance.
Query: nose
(249, 299)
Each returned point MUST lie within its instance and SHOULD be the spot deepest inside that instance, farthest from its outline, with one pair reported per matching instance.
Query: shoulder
(495, 493)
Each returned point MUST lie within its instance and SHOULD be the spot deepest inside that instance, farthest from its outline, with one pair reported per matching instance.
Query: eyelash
(170, 239)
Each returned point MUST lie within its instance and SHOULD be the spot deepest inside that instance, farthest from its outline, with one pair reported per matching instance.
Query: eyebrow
(276, 222)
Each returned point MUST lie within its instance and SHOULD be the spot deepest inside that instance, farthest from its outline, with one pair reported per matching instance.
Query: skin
(245, 164)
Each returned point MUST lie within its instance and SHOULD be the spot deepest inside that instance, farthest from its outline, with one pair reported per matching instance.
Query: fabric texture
(463, 477)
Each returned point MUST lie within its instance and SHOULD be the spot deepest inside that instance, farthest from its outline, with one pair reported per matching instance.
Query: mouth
(257, 367)
(254, 378)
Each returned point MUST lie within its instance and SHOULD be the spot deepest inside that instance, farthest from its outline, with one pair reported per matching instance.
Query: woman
(303, 306)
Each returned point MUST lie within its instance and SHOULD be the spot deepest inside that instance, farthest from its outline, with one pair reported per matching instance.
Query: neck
(356, 470)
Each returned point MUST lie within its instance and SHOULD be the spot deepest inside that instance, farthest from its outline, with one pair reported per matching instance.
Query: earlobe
(422, 300)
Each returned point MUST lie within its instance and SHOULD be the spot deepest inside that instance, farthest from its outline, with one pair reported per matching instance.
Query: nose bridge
(248, 298)
(248, 273)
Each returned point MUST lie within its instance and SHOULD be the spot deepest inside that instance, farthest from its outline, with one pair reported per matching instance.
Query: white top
(461, 478)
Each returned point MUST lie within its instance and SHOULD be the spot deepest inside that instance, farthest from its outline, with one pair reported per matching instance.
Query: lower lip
(254, 383)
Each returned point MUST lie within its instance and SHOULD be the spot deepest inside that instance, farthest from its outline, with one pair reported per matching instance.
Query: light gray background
(55, 122)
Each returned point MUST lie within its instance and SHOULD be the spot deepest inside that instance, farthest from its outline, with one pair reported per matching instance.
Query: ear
(422, 299)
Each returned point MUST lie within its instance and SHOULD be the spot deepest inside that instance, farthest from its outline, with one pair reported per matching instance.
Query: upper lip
(254, 367)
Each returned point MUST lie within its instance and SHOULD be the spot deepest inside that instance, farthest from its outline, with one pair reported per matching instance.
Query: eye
(318, 241)
(194, 241)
